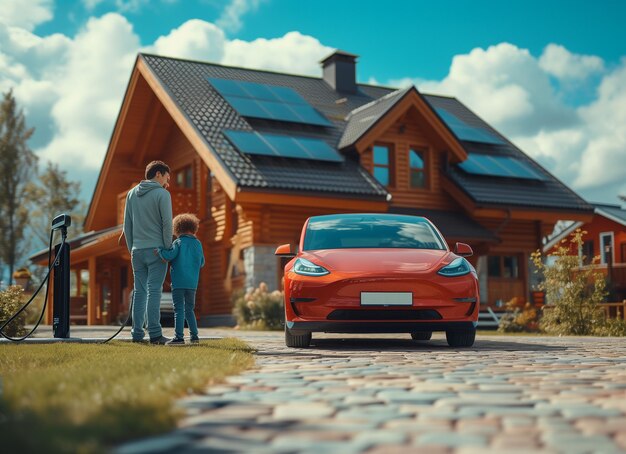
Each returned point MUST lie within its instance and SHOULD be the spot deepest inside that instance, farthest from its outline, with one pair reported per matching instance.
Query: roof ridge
(378, 100)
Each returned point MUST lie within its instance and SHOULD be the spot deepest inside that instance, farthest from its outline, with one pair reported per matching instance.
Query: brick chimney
(340, 71)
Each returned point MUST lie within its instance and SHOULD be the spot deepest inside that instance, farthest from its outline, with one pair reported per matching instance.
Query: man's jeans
(184, 301)
(149, 273)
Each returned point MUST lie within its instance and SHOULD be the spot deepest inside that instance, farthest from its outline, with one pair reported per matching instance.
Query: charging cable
(32, 298)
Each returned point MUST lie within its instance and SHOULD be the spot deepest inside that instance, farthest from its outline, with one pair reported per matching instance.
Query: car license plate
(386, 299)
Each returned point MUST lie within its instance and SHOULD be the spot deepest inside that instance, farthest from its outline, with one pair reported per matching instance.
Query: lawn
(86, 397)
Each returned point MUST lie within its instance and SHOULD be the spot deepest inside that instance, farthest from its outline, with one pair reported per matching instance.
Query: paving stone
(508, 394)
(450, 439)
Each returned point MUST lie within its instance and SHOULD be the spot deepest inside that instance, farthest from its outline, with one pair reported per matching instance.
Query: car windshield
(370, 231)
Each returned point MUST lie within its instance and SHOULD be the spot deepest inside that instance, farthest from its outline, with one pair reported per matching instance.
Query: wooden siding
(406, 133)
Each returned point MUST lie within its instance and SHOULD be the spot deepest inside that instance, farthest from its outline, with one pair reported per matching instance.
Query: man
(148, 225)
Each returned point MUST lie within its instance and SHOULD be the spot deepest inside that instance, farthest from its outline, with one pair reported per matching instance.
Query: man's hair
(185, 223)
(154, 167)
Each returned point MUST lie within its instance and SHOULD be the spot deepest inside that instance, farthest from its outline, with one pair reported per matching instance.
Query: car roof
(368, 216)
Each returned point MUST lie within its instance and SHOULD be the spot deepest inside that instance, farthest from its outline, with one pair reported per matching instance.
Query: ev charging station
(61, 280)
(61, 293)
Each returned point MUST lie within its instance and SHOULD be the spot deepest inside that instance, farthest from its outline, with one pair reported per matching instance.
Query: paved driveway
(387, 394)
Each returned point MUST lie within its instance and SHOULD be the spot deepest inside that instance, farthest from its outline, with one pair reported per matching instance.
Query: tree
(17, 165)
(49, 195)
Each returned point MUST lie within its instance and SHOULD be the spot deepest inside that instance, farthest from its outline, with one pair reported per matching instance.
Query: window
(505, 266)
(184, 178)
(382, 164)
(417, 166)
(587, 252)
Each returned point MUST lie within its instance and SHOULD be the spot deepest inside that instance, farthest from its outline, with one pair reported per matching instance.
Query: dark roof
(363, 118)
(452, 224)
(549, 193)
(186, 82)
(79, 241)
(614, 212)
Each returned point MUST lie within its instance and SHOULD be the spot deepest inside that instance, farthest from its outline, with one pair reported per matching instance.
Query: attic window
(382, 160)
(184, 178)
(417, 167)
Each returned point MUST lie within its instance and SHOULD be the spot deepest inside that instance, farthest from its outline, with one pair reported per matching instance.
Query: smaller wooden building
(605, 238)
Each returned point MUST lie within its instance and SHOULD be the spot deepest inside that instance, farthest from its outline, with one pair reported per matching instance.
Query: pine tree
(17, 165)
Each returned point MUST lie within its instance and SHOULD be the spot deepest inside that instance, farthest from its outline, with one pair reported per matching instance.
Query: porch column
(261, 265)
(92, 295)
(79, 282)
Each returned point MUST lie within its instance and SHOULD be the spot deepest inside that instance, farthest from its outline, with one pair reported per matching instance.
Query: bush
(521, 317)
(259, 309)
(11, 301)
(574, 294)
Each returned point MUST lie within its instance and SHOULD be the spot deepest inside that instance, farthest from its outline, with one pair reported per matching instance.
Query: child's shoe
(176, 341)
(194, 340)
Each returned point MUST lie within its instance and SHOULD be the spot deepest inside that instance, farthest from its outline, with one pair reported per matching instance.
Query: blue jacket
(186, 258)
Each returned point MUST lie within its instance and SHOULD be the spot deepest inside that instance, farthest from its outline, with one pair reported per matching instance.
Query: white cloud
(230, 20)
(292, 53)
(91, 86)
(557, 61)
(124, 6)
(26, 15)
(506, 86)
(195, 39)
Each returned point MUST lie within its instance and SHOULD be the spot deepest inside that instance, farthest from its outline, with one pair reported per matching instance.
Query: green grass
(86, 397)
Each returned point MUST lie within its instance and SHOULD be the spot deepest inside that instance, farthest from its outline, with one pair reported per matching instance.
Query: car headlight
(306, 268)
(458, 267)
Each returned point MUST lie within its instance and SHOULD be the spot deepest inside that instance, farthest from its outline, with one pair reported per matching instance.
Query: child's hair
(185, 223)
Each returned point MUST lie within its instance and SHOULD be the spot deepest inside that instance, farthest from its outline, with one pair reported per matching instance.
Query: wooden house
(604, 237)
(254, 153)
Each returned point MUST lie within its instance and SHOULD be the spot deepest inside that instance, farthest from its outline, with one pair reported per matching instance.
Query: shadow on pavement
(436, 345)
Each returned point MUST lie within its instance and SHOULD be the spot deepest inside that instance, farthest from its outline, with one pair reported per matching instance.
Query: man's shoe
(139, 341)
(159, 340)
(194, 340)
(176, 341)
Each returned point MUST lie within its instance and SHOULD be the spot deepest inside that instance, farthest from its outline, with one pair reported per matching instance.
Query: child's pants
(184, 301)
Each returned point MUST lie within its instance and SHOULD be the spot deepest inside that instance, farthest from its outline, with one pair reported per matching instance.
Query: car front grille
(384, 314)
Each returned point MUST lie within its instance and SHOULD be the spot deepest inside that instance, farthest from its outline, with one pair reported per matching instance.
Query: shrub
(259, 309)
(520, 317)
(574, 294)
(10, 302)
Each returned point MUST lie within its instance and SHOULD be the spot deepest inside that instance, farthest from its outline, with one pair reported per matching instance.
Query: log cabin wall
(519, 238)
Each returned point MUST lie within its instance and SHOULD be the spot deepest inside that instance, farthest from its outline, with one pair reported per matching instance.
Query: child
(186, 258)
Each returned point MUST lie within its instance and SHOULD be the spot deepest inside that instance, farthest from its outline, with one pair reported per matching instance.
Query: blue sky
(550, 75)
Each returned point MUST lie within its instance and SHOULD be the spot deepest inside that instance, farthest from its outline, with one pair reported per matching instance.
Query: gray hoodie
(148, 216)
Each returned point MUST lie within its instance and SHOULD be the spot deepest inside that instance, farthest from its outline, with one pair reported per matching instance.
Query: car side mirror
(285, 250)
(462, 249)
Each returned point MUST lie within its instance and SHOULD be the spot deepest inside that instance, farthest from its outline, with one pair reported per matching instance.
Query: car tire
(461, 338)
(421, 335)
(297, 341)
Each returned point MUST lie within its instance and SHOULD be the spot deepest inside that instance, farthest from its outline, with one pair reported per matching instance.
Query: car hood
(375, 261)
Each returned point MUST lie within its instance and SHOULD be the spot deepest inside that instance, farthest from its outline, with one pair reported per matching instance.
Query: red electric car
(378, 273)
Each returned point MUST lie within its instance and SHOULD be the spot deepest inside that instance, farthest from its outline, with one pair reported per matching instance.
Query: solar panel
(466, 132)
(271, 102)
(499, 166)
(252, 142)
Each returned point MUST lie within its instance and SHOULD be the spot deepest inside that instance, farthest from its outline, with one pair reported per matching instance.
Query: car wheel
(297, 341)
(461, 338)
(422, 335)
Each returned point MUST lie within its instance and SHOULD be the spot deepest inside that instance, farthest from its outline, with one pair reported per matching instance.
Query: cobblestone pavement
(388, 394)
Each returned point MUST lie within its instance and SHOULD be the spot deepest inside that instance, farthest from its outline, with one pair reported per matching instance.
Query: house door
(607, 252)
